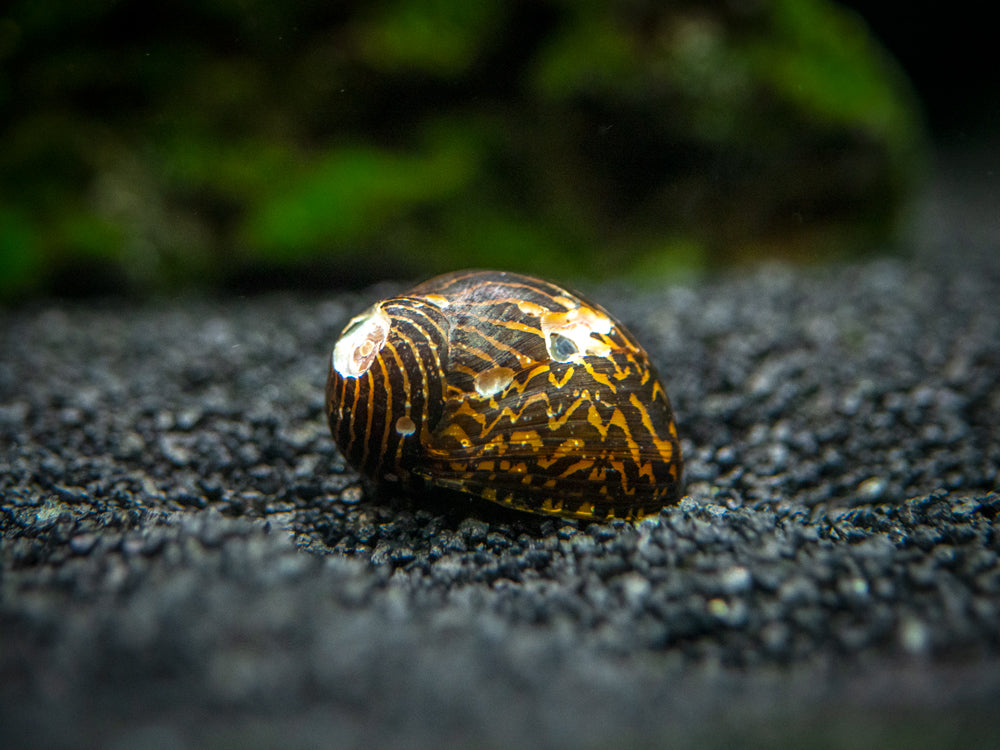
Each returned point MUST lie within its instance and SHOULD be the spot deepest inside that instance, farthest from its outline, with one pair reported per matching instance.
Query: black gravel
(186, 560)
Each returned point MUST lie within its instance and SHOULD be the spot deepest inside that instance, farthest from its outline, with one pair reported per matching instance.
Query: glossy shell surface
(506, 387)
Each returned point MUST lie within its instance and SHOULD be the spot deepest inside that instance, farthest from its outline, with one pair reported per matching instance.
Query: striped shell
(506, 387)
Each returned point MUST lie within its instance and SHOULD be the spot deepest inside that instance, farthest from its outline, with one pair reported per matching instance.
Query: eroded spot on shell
(570, 335)
(561, 348)
(360, 343)
(405, 426)
(492, 381)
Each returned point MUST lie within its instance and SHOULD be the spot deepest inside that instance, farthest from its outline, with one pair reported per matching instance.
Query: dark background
(944, 50)
(244, 146)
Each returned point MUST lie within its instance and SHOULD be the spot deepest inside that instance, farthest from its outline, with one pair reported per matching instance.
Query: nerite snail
(506, 387)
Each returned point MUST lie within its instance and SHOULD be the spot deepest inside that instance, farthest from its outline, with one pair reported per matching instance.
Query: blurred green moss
(228, 142)
(437, 37)
(21, 269)
(347, 195)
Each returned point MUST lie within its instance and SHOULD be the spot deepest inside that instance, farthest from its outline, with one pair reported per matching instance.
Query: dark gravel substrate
(187, 561)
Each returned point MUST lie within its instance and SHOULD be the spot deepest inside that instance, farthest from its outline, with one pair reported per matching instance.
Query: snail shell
(506, 387)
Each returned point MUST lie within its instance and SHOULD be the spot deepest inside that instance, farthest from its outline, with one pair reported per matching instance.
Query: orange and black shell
(509, 388)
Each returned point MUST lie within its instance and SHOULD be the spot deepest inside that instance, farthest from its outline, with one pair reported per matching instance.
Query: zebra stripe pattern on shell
(509, 388)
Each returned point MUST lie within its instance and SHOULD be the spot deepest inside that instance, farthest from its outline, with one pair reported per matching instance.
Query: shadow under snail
(506, 387)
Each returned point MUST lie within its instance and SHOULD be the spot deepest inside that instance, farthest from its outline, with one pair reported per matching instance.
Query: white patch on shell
(490, 382)
(579, 325)
(363, 339)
